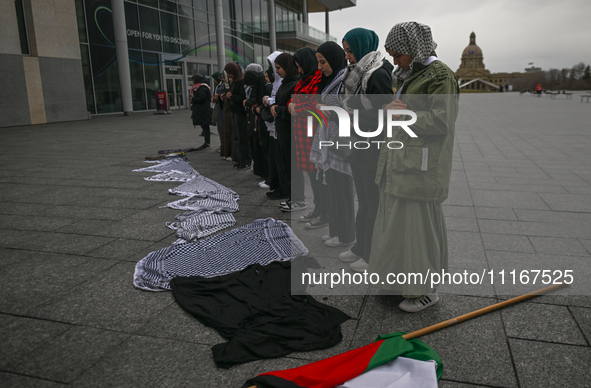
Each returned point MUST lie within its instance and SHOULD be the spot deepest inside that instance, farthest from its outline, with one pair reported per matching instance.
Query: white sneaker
(334, 242)
(359, 266)
(348, 257)
(326, 237)
(414, 305)
(263, 185)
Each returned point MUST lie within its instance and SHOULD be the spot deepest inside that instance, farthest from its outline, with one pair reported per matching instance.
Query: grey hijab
(413, 39)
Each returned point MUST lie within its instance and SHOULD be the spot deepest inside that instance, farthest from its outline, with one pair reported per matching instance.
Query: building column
(271, 20)
(120, 29)
(219, 32)
(305, 11)
(326, 22)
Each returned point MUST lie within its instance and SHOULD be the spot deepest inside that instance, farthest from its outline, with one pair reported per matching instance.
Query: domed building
(473, 76)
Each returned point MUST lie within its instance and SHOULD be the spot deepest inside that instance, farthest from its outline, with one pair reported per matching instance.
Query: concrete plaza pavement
(74, 220)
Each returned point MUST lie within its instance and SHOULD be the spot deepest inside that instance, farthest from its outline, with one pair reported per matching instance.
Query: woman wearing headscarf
(368, 73)
(336, 184)
(287, 70)
(226, 122)
(273, 178)
(237, 95)
(410, 234)
(258, 136)
(201, 107)
(216, 105)
(305, 61)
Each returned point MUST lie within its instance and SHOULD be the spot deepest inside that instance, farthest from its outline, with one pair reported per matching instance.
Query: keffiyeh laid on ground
(219, 202)
(169, 165)
(200, 223)
(171, 176)
(199, 184)
(261, 242)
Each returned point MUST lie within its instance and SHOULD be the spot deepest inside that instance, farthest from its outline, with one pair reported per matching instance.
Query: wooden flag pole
(482, 311)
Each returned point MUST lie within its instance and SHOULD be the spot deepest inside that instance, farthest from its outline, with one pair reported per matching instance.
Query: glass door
(174, 92)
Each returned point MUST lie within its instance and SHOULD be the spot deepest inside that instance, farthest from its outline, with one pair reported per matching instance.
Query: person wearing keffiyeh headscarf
(410, 235)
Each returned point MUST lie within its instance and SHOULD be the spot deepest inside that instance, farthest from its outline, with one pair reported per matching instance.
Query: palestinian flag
(396, 358)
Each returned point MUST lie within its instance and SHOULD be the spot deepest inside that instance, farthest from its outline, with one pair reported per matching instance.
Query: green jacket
(421, 169)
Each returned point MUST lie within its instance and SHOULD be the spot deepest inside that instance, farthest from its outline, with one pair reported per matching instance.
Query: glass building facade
(169, 41)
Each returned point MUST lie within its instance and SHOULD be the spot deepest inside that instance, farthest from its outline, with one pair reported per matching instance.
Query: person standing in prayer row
(334, 183)
(201, 108)
(226, 122)
(307, 65)
(237, 95)
(410, 235)
(287, 70)
(369, 74)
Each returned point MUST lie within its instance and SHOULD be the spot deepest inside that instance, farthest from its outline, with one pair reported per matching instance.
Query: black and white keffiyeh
(411, 38)
(168, 165)
(172, 176)
(200, 223)
(357, 76)
(261, 242)
(219, 202)
(199, 184)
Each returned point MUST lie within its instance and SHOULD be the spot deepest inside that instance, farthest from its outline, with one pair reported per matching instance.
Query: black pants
(341, 206)
(206, 133)
(240, 149)
(320, 192)
(368, 196)
(298, 185)
(273, 177)
(283, 159)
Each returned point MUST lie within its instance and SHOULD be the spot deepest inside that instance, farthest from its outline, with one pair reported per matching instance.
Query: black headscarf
(285, 60)
(306, 58)
(335, 56)
(257, 82)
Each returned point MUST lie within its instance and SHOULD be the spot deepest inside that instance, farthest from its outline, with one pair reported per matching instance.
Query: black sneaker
(316, 223)
(307, 217)
(294, 207)
(278, 195)
(203, 147)
(242, 168)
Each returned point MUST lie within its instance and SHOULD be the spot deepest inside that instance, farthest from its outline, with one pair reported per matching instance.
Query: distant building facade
(474, 76)
(61, 60)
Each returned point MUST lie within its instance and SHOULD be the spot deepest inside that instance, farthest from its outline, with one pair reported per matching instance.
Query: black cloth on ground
(255, 311)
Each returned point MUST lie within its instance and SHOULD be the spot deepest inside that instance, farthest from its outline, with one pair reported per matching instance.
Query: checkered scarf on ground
(200, 223)
(172, 176)
(411, 38)
(226, 202)
(357, 76)
(168, 165)
(199, 184)
(261, 242)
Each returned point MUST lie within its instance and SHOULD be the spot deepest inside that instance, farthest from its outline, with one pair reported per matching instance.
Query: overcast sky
(511, 33)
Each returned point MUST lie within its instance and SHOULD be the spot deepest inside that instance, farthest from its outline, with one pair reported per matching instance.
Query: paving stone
(542, 322)
(146, 361)
(108, 301)
(66, 356)
(493, 213)
(582, 317)
(558, 246)
(503, 242)
(10, 380)
(74, 244)
(121, 249)
(541, 364)
(459, 211)
(461, 224)
(20, 335)
(40, 277)
(508, 199)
